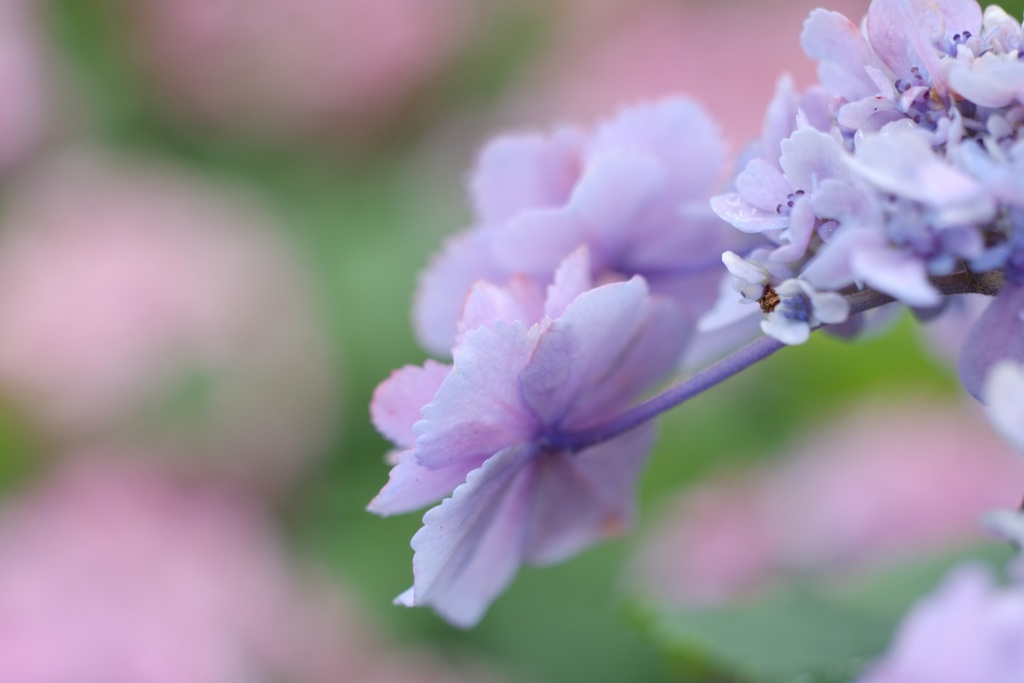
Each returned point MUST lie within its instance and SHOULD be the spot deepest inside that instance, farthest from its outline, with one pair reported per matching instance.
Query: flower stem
(860, 301)
(757, 350)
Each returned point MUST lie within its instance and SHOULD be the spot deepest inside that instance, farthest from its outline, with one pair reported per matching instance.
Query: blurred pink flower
(878, 487)
(727, 55)
(140, 305)
(112, 572)
(24, 80)
(109, 573)
(294, 67)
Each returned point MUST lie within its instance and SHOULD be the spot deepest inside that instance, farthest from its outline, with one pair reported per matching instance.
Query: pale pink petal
(521, 299)
(398, 400)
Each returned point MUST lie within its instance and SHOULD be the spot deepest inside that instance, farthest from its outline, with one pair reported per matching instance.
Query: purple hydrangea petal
(902, 34)
(830, 308)
(968, 630)
(779, 118)
(620, 189)
(790, 332)
(1001, 28)
(998, 335)
(748, 272)
(843, 201)
(571, 280)
(478, 409)
(838, 45)
(582, 498)
(961, 16)
(516, 172)
(398, 400)
(856, 114)
(905, 164)
(653, 354)
(802, 222)
(521, 298)
(471, 545)
(734, 210)
(677, 132)
(535, 242)
(1004, 401)
(581, 347)
(810, 156)
(762, 185)
(815, 109)
(990, 81)
(412, 486)
(443, 287)
(831, 268)
(897, 273)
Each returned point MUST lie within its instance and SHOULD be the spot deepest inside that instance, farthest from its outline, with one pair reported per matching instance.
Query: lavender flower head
(491, 434)
(897, 172)
(897, 178)
(634, 190)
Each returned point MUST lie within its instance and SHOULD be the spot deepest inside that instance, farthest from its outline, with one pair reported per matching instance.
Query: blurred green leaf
(804, 632)
(797, 636)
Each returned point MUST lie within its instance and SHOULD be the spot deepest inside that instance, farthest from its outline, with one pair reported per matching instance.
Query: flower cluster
(594, 254)
(634, 190)
(899, 171)
(576, 292)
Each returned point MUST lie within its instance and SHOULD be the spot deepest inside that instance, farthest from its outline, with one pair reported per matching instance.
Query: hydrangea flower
(895, 179)
(898, 173)
(968, 630)
(493, 433)
(792, 308)
(870, 477)
(113, 571)
(296, 69)
(634, 190)
(145, 306)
